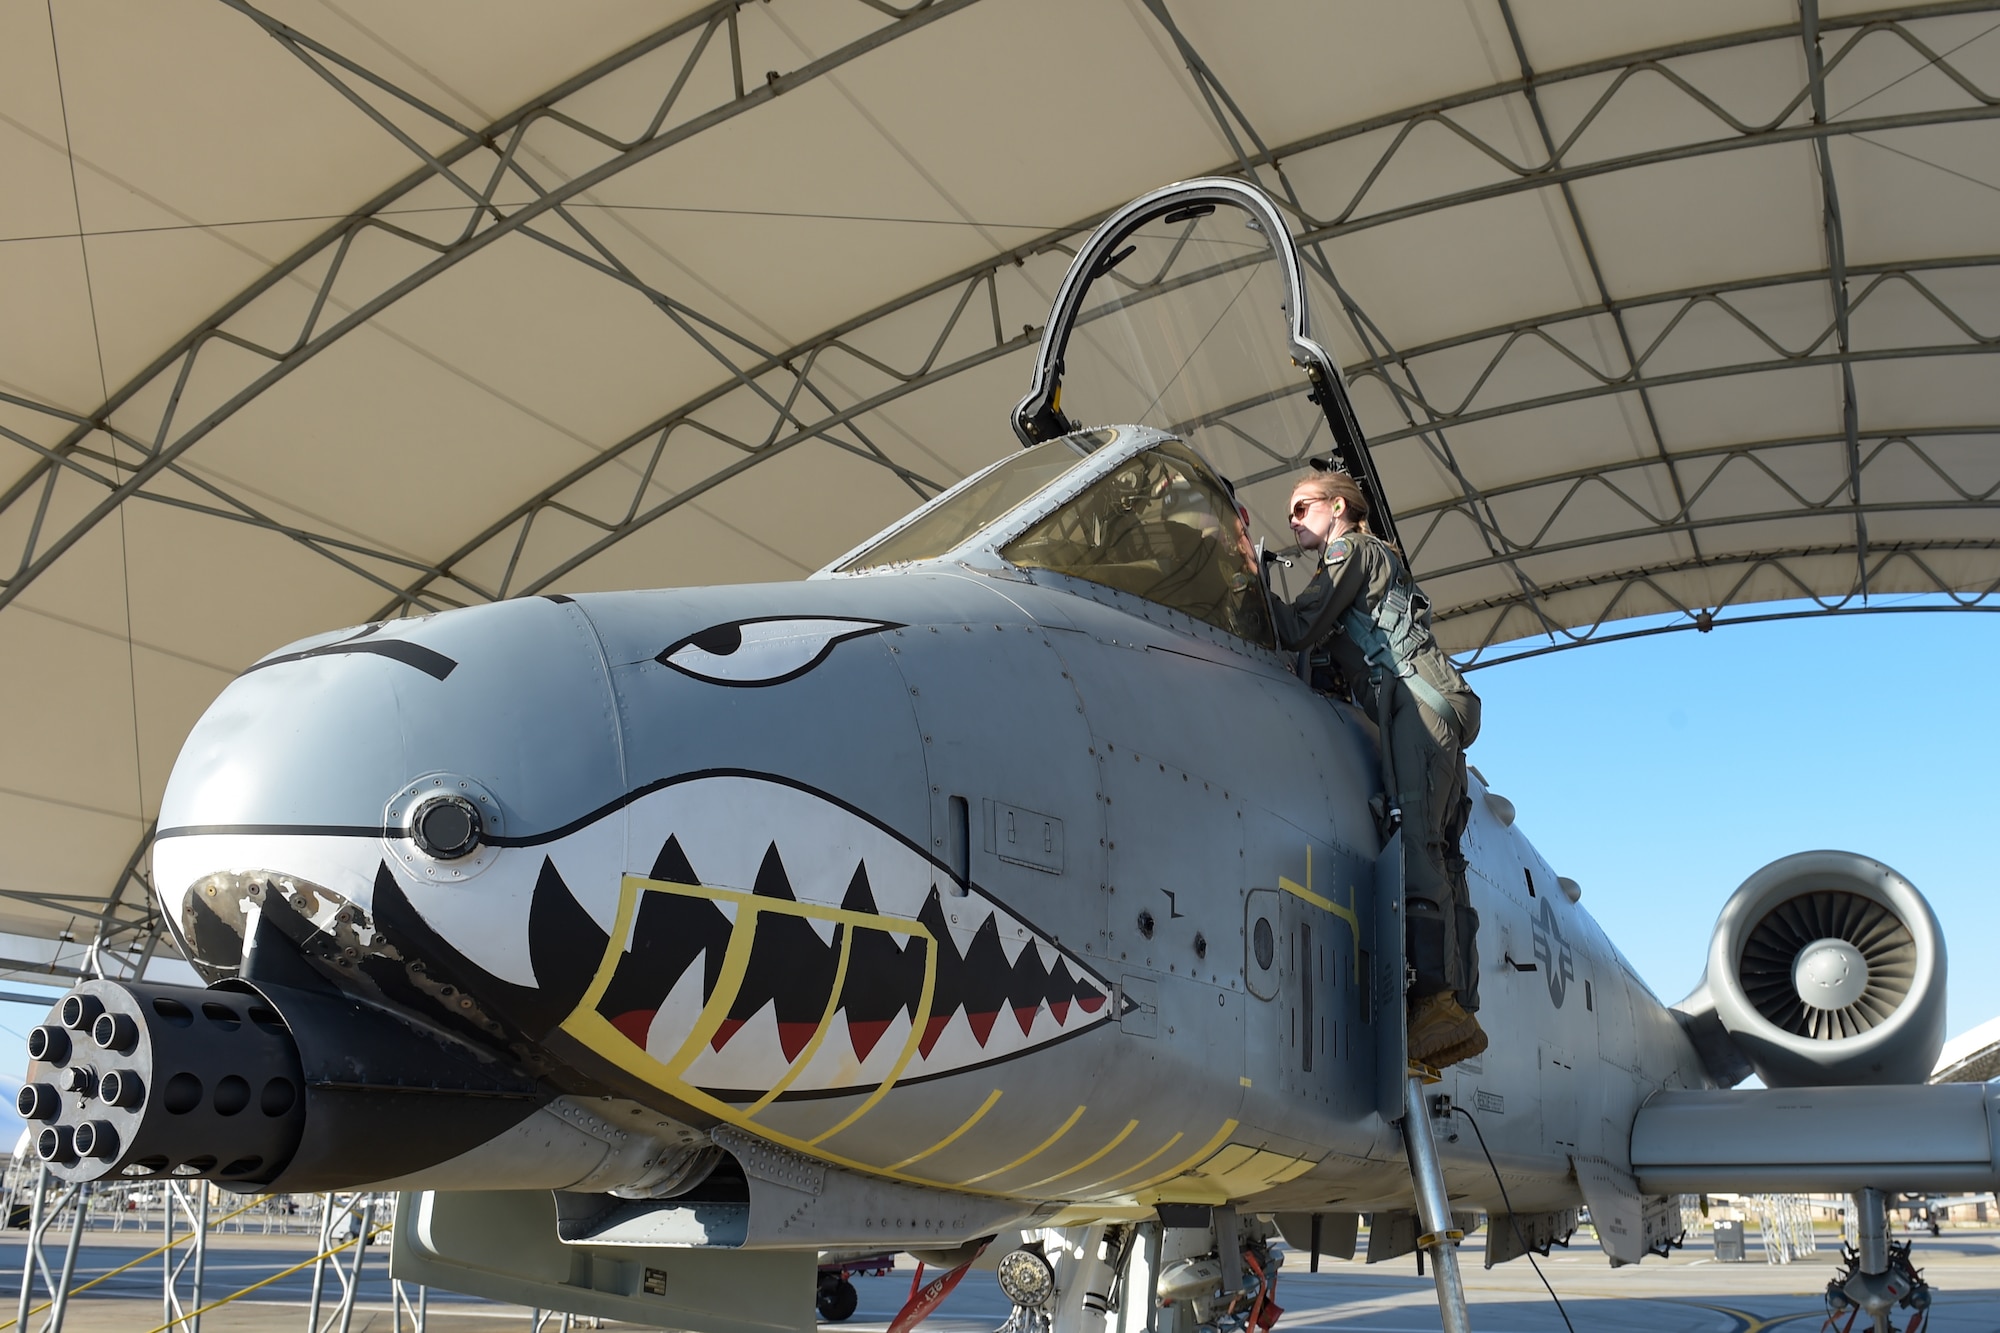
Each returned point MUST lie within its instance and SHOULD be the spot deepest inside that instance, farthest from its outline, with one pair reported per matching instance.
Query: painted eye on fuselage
(765, 651)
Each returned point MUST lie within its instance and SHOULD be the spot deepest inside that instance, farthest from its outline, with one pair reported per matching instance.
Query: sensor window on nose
(766, 651)
(446, 827)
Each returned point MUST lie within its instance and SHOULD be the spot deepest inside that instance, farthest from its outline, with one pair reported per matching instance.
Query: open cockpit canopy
(1191, 296)
(1190, 310)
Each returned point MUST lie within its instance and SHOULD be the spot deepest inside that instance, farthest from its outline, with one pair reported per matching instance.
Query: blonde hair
(1337, 486)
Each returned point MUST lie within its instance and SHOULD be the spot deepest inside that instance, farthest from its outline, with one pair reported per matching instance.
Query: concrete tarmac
(1688, 1293)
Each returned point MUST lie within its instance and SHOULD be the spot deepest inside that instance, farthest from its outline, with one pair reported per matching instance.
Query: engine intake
(1826, 968)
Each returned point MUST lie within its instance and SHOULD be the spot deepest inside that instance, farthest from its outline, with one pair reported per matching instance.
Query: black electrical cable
(1512, 1219)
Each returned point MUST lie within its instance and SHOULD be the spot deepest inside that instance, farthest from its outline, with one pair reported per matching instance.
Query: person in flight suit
(1365, 611)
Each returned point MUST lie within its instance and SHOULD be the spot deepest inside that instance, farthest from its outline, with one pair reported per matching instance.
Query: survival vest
(1398, 635)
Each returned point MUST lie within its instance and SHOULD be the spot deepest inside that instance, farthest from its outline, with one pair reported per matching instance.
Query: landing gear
(1196, 1270)
(1217, 1306)
(836, 1298)
(1876, 1276)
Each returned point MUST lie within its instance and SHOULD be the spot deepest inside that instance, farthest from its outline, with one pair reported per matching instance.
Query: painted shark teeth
(848, 1003)
(837, 986)
(687, 865)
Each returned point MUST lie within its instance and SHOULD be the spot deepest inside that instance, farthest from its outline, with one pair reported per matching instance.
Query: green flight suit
(1357, 573)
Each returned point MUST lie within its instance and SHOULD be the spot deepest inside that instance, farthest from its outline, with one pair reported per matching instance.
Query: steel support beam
(1724, 467)
(1606, 303)
(1836, 272)
(1496, 641)
(1819, 350)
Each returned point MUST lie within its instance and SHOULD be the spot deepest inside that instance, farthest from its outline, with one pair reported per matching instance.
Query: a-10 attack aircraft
(1000, 885)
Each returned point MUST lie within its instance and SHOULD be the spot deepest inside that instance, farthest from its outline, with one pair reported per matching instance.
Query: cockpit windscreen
(1159, 526)
(963, 512)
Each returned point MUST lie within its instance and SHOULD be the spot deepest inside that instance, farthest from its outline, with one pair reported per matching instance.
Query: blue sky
(1660, 772)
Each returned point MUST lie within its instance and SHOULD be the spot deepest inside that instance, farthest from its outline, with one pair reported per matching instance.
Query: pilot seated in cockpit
(1365, 611)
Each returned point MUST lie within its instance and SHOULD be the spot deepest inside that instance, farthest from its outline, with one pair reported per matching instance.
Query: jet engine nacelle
(1826, 968)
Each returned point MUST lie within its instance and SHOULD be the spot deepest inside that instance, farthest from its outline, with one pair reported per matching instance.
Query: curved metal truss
(825, 387)
(320, 294)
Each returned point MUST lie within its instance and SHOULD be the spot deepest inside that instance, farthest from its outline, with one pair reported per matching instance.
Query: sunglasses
(1301, 508)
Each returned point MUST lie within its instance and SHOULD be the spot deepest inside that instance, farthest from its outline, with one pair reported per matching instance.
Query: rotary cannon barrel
(164, 1080)
(255, 1085)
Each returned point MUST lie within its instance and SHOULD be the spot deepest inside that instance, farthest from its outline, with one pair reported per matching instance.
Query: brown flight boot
(1464, 1050)
(1442, 1033)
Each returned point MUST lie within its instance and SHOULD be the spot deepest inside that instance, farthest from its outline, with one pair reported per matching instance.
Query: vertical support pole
(1434, 1209)
(200, 1223)
(32, 1249)
(336, 1214)
(179, 1312)
(319, 1269)
(59, 1298)
(418, 1310)
(353, 1291)
(167, 1256)
(1177, 1243)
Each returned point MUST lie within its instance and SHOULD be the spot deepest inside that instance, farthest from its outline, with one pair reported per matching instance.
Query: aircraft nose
(508, 704)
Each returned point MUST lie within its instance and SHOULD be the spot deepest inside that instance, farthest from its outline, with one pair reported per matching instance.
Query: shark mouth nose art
(724, 936)
(840, 960)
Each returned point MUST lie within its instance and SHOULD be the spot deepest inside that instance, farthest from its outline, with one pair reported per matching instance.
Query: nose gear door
(1187, 310)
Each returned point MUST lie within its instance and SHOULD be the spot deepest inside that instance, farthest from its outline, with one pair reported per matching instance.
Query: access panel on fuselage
(1228, 785)
(1013, 786)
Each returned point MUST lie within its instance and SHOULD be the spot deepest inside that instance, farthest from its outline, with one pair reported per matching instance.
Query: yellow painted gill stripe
(1091, 1160)
(918, 1022)
(593, 1031)
(615, 1048)
(805, 1057)
(1032, 1153)
(1142, 1164)
(621, 933)
(1200, 1154)
(728, 981)
(952, 1137)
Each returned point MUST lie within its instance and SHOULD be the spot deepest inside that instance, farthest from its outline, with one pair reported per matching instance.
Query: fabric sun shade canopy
(1654, 315)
